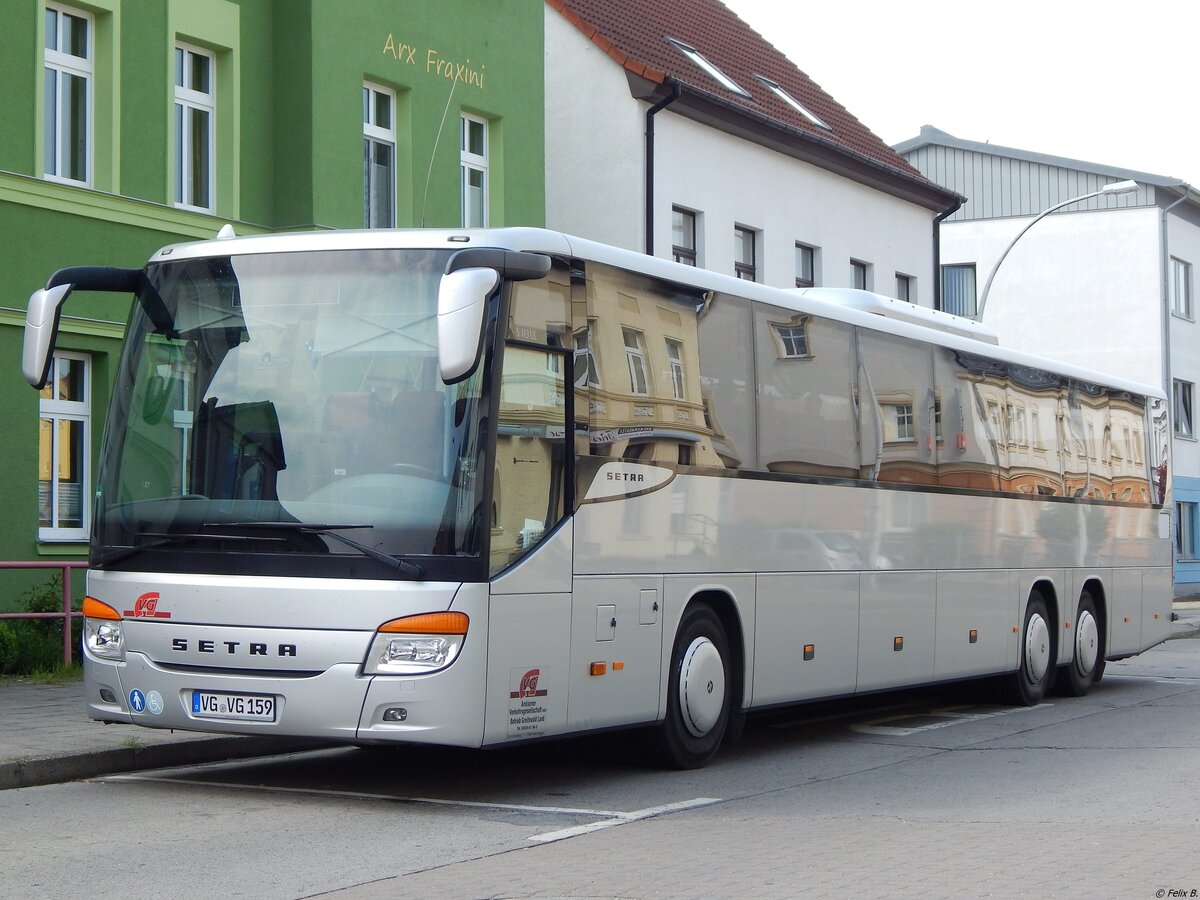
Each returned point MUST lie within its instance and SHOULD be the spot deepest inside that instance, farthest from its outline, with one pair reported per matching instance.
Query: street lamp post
(1113, 188)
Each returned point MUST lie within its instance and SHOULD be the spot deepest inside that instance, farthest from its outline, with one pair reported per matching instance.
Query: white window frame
(709, 68)
(675, 363)
(775, 88)
(1183, 395)
(793, 339)
(1181, 288)
(377, 135)
(635, 356)
(469, 163)
(62, 63)
(57, 410)
(187, 101)
(905, 422)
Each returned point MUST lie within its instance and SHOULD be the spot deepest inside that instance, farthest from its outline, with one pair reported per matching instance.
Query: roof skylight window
(791, 101)
(716, 74)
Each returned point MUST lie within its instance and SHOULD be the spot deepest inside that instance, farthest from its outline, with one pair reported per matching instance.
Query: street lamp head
(1119, 187)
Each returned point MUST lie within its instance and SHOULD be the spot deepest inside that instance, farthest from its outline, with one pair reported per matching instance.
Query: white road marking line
(365, 795)
(624, 818)
(951, 714)
(1157, 679)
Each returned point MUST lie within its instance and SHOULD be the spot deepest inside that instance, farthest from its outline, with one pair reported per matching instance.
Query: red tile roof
(634, 33)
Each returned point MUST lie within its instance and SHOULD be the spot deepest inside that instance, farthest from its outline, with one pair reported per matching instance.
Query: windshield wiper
(162, 540)
(326, 530)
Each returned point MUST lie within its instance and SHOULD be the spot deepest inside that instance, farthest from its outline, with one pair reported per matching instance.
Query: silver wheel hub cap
(701, 686)
(1087, 643)
(1037, 649)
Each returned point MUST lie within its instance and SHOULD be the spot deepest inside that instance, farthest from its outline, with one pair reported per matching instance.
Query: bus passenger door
(616, 650)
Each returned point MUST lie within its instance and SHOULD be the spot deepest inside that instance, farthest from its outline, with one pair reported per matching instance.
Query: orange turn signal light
(95, 609)
(599, 668)
(428, 623)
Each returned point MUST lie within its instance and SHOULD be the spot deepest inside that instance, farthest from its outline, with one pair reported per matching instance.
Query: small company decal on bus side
(526, 708)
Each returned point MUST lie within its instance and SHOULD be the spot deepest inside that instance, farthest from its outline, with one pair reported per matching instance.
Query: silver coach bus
(476, 487)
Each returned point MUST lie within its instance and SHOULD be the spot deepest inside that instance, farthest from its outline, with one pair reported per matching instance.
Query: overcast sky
(1062, 77)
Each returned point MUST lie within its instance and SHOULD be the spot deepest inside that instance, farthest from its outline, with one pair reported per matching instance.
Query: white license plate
(252, 707)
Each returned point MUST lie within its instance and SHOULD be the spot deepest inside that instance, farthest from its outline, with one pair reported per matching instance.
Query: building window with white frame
(904, 427)
(68, 86)
(64, 439)
(195, 117)
(683, 236)
(675, 363)
(1181, 288)
(379, 157)
(1182, 394)
(904, 288)
(958, 290)
(474, 164)
(1185, 530)
(744, 259)
(635, 355)
(806, 265)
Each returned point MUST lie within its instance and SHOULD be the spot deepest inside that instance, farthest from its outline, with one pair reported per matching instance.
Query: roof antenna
(433, 156)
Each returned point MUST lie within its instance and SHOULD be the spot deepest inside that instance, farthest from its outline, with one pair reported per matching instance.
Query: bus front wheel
(1035, 671)
(698, 698)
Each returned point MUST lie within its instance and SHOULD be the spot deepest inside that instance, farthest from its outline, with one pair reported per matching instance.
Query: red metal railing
(66, 614)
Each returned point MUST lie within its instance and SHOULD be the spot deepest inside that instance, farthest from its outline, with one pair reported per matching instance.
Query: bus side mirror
(41, 327)
(462, 297)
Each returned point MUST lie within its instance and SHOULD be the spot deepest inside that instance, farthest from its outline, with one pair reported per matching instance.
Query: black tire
(1074, 679)
(698, 692)
(1035, 668)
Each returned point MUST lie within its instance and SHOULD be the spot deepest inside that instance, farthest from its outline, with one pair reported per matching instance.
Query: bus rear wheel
(698, 692)
(1035, 671)
(1074, 679)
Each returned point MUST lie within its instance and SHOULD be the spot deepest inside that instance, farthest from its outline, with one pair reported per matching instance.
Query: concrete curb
(54, 770)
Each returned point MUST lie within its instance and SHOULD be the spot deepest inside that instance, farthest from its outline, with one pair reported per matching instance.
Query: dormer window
(791, 101)
(716, 74)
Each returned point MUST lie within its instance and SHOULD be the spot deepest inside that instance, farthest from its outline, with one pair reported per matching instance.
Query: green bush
(35, 645)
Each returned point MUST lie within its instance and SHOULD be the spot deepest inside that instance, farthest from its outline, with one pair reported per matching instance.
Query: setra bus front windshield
(283, 413)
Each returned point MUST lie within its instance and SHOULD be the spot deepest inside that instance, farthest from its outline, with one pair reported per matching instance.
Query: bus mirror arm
(462, 297)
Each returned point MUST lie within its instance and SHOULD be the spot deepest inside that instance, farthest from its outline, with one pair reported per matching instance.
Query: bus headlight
(103, 630)
(416, 645)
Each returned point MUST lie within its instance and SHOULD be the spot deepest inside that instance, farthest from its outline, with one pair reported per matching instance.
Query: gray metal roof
(1004, 181)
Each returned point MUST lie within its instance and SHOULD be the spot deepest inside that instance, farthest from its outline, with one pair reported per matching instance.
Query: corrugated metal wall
(998, 186)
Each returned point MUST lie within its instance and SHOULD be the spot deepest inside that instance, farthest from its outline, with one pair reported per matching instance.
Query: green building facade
(130, 124)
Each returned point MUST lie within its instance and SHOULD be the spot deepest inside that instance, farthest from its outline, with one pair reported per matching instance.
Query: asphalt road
(922, 794)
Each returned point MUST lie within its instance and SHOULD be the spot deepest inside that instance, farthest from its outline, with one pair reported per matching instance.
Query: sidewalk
(45, 737)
